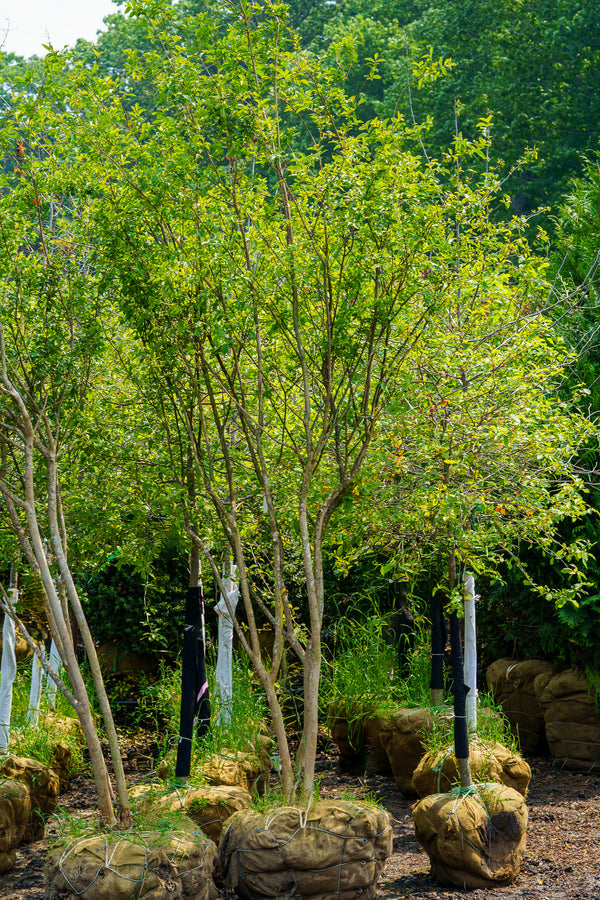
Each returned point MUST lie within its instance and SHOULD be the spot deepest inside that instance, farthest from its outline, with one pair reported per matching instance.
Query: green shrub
(143, 612)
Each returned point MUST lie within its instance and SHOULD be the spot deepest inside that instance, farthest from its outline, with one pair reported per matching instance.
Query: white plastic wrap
(50, 685)
(224, 670)
(35, 692)
(470, 652)
(8, 672)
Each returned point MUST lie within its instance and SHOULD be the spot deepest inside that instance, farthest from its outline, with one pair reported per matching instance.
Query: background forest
(509, 86)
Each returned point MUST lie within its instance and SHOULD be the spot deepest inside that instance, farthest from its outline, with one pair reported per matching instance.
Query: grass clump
(358, 680)
(492, 727)
(364, 677)
(242, 733)
(56, 724)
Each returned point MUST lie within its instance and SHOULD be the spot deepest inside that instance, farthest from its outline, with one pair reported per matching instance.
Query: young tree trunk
(51, 686)
(438, 643)
(307, 751)
(58, 541)
(35, 692)
(33, 548)
(61, 633)
(224, 669)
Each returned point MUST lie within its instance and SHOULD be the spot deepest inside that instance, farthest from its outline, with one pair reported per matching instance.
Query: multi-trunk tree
(276, 291)
(49, 344)
(485, 451)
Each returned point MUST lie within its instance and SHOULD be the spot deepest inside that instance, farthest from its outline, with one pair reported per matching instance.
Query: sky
(31, 23)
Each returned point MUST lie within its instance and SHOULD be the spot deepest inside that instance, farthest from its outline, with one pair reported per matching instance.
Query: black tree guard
(461, 734)
(438, 643)
(195, 700)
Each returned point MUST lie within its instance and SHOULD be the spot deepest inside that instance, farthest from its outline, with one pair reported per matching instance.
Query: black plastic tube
(461, 734)
(195, 700)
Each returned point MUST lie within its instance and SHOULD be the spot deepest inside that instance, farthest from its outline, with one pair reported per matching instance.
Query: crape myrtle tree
(484, 455)
(278, 291)
(50, 338)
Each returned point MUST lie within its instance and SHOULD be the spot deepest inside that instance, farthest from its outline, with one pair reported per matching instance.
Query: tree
(576, 271)
(49, 340)
(276, 292)
(485, 451)
(529, 65)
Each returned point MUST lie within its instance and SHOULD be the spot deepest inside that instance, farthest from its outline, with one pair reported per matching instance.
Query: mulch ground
(563, 844)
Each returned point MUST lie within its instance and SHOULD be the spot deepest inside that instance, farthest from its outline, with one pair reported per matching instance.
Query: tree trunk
(35, 692)
(461, 734)
(308, 746)
(88, 642)
(63, 639)
(8, 666)
(224, 669)
(54, 660)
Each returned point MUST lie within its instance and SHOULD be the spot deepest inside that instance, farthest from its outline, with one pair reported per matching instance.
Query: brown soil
(563, 844)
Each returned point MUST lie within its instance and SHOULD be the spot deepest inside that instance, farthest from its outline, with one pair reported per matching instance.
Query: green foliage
(474, 455)
(517, 621)
(273, 798)
(492, 724)
(492, 727)
(141, 611)
(362, 677)
(577, 281)
(151, 825)
(164, 696)
(308, 316)
(358, 680)
(414, 690)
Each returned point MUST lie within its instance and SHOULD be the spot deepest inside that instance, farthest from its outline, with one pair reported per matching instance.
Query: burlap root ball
(572, 720)
(512, 683)
(437, 772)
(348, 733)
(335, 850)
(15, 809)
(358, 740)
(22, 648)
(207, 806)
(402, 737)
(154, 866)
(246, 770)
(473, 840)
(377, 759)
(42, 784)
(61, 763)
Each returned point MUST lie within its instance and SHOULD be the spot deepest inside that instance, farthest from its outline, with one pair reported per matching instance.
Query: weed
(359, 680)
(492, 724)
(362, 797)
